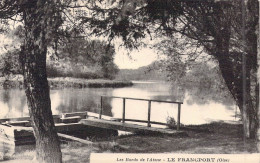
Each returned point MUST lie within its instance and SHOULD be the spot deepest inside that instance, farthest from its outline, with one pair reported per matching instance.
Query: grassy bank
(67, 82)
(215, 138)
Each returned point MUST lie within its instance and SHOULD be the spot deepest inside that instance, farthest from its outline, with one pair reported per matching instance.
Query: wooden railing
(149, 122)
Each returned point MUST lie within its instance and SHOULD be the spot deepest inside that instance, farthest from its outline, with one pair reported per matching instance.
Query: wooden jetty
(18, 131)
(135, 128)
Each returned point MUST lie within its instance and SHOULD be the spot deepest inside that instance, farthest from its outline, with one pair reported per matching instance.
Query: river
(199, 106)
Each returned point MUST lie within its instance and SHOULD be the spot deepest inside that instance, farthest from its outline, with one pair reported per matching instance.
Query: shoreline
(68, 82)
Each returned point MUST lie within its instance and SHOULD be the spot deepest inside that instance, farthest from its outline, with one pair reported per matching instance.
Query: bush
(171, 123)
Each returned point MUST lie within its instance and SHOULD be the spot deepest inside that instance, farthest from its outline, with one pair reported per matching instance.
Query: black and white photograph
(129, 81)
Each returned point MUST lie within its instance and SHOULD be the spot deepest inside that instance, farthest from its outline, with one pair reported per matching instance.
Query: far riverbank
(67, 82)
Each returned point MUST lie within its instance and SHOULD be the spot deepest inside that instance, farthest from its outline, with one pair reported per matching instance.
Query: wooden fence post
(101, 108)
(149, 113)
(123, 113)
(179, 117)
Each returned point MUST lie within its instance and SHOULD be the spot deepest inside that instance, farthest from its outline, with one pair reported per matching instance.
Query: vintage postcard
(123, 81)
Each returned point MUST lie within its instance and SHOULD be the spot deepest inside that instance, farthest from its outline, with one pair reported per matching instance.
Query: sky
(135, 59)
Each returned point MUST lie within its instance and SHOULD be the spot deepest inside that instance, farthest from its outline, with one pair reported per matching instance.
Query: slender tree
(258, 75)
(39, 18)
(37, 21)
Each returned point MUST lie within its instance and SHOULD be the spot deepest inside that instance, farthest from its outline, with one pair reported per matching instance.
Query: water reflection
(13, 103)
(200, 95)
(200, 106)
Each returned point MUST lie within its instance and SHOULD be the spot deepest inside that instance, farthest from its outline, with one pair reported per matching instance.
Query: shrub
(171, 123)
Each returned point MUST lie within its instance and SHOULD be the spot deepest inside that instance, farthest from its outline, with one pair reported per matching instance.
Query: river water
(199, 106)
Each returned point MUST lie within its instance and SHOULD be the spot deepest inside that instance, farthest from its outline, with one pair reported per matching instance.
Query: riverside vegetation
(67, 82)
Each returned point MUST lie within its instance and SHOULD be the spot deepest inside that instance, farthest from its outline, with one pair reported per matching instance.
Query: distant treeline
(199, 75)
(150, 72)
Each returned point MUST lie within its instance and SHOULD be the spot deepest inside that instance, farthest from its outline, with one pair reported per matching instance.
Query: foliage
(9, 63)
(205, 83)
(83, 55)
(171, 122)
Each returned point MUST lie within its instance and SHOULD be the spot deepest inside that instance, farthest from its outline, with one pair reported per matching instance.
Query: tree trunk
(232, 76)
(258, 79)
(231, 69)
(35, 81)
(252, 15)
(230, 64)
